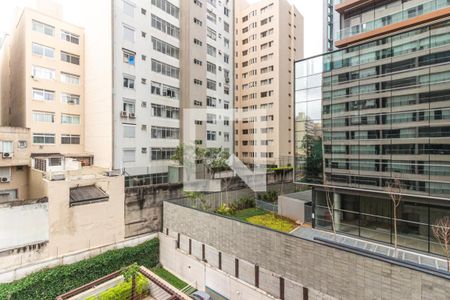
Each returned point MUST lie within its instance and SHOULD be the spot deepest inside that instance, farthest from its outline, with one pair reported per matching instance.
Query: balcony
(403, 18)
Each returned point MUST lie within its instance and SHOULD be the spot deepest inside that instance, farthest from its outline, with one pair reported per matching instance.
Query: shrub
(270, 196)
(225, 210)
(123, 290)
(49, 283)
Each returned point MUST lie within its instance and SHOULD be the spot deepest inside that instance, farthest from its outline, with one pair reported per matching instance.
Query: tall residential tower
(269, 38)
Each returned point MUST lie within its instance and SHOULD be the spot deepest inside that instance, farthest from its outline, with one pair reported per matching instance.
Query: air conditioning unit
(7, 155)
(123, 114)
(5, 179)
(57, 176)
(132, 115)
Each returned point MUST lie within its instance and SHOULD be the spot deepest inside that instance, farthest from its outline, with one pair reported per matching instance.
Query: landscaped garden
(245, 210)
(49, 283)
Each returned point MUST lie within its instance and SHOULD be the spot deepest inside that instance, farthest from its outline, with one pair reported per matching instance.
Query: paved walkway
(402, 254)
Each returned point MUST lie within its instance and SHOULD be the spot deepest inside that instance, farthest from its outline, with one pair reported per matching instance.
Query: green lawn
(170, 278)
(263, 218)
(244, 214)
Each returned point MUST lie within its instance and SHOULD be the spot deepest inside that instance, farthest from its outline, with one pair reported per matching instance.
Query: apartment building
(14, 163)
(43, 72)
(269, 38)
(381, 101)
(146, 84)
(207, 72)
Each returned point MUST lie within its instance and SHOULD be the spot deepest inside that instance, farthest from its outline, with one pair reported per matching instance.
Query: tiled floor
(402, 254)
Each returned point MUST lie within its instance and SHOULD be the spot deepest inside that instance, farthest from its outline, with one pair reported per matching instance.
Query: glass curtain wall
(374, 113)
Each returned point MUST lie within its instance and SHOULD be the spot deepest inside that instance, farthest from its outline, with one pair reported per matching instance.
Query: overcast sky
(310, 9)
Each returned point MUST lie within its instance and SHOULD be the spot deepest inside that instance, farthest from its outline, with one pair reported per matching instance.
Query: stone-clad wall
(143, 204)
(334, 272)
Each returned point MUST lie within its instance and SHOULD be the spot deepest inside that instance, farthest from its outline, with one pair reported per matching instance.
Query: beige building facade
(14, 163)
(43, 61)
(269, 38)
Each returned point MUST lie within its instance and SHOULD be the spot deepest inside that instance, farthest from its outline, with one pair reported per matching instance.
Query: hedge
(49, 283)
(123, 290)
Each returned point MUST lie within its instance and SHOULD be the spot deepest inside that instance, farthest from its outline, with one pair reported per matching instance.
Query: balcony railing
(401, 15)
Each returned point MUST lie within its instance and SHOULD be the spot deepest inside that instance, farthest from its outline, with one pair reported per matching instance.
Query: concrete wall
(203, 275)
(291, 208)
(143, 207)
(85, 226)
(328, 270)
(23, 224)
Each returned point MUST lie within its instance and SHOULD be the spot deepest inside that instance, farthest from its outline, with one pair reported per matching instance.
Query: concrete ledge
(19, 272)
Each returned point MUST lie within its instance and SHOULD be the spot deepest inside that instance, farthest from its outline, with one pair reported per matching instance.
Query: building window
(70, 119)
(43, 73)
(164, 90)
(43, 95)
(211, 135)
(44, 51)
(197, 21)
(210, 67)
(70, 78)
(129, 57)
(165, 27)
(167, 7)
(128, 33)
(70, 37)
(129, 155)
(165, 69)
(70, 99)
(211, 119)
(211, 50)
(128, 82)
(198, 42)
(70, 58)
(6, 146)
(129, 131)
(129, 106)
(165, 133)
(41, 116)
(226, 137)
(211, 33)
(128, 8)
(211, 84)
(70, 139)
(43, 28)
(198, 62)
(43, 138)
(162, 153)
(165, 48)
(198, 82)
(163, 111)
(211, 101)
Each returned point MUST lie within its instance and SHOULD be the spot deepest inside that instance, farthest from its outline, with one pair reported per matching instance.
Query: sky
(310, 9)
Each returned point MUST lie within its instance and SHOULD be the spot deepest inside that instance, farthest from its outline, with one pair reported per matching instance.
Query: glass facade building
(371, 114)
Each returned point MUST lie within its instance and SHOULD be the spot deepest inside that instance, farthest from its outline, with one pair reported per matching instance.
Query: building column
(337, 214)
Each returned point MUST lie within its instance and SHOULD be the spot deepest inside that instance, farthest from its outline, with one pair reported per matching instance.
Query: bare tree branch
(441, 231)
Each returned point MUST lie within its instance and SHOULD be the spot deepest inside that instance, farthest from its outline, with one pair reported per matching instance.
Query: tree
(216, 160)
(188, 156)
(330, 205)
(314, 157)
(395, 194)
(130, 273)
(441, 231)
